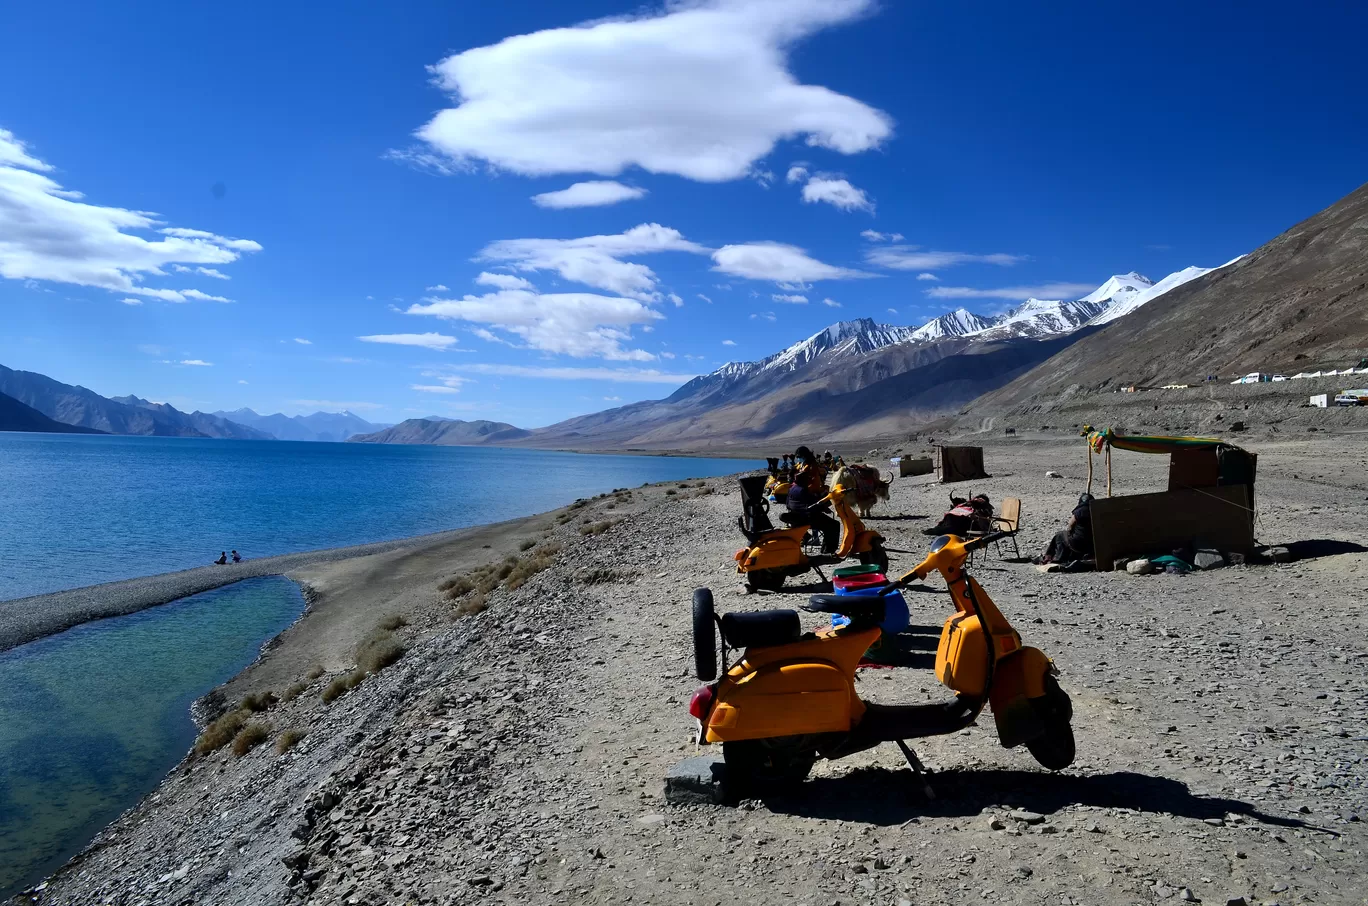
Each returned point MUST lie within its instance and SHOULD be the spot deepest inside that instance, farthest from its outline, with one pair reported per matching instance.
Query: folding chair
(1008, 520)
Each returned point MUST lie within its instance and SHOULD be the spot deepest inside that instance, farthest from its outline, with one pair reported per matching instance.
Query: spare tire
(704, 635)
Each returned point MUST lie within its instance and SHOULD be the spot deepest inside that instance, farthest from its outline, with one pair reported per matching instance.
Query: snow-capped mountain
(1124, 306)
(958, 323)
(844, 339)
(1119, 289)
(1038, 318)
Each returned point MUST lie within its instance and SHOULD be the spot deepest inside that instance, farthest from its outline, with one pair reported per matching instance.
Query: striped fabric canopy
(1099, 440)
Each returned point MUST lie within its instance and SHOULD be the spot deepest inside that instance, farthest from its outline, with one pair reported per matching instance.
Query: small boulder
(695, 780)
(1141, 567)
(1279, 555)
(1208, 559)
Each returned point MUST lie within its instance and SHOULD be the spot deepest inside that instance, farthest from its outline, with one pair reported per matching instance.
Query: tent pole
(1108, 470)
(1089, 470)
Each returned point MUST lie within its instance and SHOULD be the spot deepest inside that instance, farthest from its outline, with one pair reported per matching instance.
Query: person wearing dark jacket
(808, 488)
(1076, 541)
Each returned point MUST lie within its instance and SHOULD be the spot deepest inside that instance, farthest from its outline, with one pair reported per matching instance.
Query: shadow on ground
(886, 797)
(1323, 547)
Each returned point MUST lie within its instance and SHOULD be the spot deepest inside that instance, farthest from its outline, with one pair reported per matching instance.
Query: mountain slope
(15, 416)
(320, 426)
(74, 405)
(1299, 301)
(447, 432)
(206, 424)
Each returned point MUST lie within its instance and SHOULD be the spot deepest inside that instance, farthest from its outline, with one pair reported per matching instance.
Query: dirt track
(518, 756)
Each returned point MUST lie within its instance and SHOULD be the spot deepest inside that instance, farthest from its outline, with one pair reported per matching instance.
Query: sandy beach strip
(27, 619)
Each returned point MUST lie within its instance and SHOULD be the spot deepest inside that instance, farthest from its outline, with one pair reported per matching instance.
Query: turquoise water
(80, 509)
(92, 718)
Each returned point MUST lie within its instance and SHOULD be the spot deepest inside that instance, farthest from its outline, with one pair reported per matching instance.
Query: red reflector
(701, 702)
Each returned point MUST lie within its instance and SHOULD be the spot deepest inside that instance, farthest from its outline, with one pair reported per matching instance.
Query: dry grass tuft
(378, 651)
(601, 575)
(342, 685)
(221, 732)
(670, 492)
(476, 603)
(288, 740)
(249, 737)
(527, 544)
(293, 692)
(314, 672)
(596, 528)
(392, 622)
(258, 702)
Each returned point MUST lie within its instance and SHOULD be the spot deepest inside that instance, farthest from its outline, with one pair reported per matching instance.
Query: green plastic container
(846, 571)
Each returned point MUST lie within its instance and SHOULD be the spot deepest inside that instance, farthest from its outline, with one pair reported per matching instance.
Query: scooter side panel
(780, 549)
(1016, 681)
(788, 699)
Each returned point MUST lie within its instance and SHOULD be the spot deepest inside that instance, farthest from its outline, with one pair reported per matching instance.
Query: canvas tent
(1209, 502)
(960, 463)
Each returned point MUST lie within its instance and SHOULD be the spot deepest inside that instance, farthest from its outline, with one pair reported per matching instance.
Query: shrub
(601, 575)
(670, 492)
(704, 491)
(288, 740)
(526, 544)
(458, 587)
(595, 528)
(342, 685)
(378, 651)
(392, 622)
(540, 559)
(258, 701)
(249, 737)
(293, 692)
(219, 733)
(476, 603)
(314, 672)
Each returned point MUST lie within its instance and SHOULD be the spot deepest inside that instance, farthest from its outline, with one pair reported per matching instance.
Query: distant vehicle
(1254, 377)
(1346, 400)
(1279, 377)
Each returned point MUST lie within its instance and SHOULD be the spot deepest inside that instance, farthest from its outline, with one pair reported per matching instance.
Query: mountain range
(444, 432)
(85, 411)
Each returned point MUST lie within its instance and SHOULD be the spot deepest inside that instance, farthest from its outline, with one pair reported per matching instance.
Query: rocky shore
(515, 750)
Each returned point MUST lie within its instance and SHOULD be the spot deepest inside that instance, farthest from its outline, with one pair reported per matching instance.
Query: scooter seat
(757, 629)
(864, 611)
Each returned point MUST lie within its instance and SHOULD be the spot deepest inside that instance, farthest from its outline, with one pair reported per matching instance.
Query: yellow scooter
(791, 697)
(774, 554)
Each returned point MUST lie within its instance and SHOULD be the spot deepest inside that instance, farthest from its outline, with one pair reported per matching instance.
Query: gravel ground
(517, 755)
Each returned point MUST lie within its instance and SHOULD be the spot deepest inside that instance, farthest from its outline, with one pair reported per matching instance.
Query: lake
(86, 509)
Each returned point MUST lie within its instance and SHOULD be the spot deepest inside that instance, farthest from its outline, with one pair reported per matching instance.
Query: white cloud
(131, 301)
(796, 173)
(203, 297)
(616, 375)
(667, 355)
(873, 235)
(439, 288)
(242, 382)
(574, 324)
(789, 299)
(596, 260)
(911, 258)
(48, 233)
(766, 315)
(678, 302)
(892, 311)
(700, 90)
(593, 194)
(303, 342)
(925, 276)
(206, 271)
(831, 303)
(437, 388)
(426, 340)
(1013, 293)
(199, 362)
(774, 261)
(502, 281)
(705, 298)
(728, 342)
(838, 193)
(612, 399)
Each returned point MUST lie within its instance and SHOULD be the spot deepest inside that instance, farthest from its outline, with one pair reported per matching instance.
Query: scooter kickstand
(918, 768)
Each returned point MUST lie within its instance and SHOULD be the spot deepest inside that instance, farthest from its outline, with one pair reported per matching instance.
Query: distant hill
(15, 416)
(320, 426)
(1297, 303)
(444, 432)
(73, 405)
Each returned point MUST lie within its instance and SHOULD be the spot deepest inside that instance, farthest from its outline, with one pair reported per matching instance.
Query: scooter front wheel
(762, 765)
(1054, 748)
(765, 579)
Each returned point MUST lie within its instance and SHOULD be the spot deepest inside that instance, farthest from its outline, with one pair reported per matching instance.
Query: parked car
(1279, 377)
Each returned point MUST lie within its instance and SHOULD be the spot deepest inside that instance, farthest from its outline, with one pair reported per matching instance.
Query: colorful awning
(1099, 440)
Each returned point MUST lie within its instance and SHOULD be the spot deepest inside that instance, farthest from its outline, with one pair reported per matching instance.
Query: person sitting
(804, 496)
(223, 558)
(828, 461)
(237, 558)
(1076, 541)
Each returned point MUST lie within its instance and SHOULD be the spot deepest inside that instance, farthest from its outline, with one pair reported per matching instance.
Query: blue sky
(335, 167)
